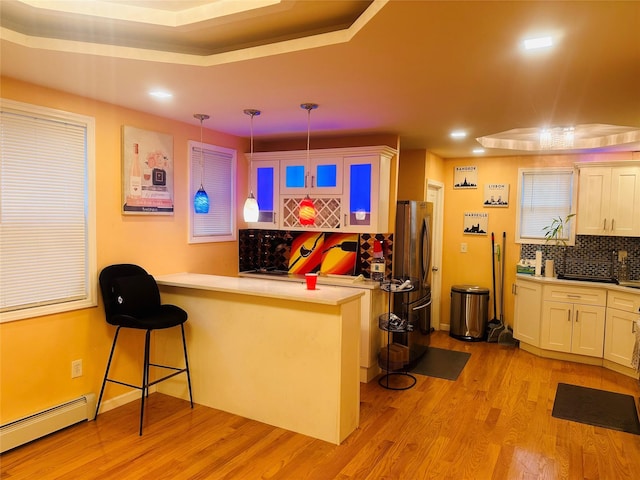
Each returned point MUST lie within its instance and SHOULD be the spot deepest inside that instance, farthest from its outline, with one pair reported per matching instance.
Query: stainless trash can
(469, 312)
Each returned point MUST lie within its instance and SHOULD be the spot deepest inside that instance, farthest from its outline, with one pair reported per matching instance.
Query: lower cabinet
(578, 321)
(623, 313)
(526, 324)
(573, 319)
(573, 328)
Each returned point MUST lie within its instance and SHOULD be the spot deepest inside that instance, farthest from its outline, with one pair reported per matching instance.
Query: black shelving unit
(392, 323)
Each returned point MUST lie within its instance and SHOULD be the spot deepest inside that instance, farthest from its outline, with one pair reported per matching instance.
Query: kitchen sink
(586, 278)
(630, 283)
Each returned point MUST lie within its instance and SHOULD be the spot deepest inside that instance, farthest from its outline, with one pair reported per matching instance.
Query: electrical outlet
(463, 247)
(622, 254)
(76, 368)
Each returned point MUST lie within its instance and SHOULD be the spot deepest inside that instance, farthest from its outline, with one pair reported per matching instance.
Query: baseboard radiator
(43, 423)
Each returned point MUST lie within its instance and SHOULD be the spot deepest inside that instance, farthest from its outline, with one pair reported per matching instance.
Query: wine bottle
(135, 175)
(377, 263)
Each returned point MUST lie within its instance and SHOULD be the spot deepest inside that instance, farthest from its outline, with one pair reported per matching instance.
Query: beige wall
(36, 353)
(474, 267)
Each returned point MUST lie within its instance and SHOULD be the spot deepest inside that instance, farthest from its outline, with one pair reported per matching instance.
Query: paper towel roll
(548, 269)
(538, 263)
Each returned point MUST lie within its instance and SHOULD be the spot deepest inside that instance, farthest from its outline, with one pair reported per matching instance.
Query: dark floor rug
(596, 407)
(440, 363)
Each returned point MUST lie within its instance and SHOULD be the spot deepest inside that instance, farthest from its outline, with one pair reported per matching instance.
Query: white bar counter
(270, 351)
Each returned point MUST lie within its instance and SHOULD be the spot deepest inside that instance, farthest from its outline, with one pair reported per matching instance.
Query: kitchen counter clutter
(270, 351)
(587, 322)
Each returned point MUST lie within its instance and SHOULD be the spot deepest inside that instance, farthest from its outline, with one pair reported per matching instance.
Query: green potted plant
(554, 233)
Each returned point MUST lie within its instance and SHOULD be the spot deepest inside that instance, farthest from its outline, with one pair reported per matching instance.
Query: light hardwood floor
(494, 422)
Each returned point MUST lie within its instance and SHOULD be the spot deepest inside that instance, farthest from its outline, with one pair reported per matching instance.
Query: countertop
(577, 283)
(334, 280)
(262, 286)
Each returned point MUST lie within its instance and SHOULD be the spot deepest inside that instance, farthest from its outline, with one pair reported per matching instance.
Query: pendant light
(307, 212)
(251, 208)
(201, 199)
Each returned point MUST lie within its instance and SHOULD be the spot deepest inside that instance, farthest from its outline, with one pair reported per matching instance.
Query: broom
(506, 334)
(495, 326)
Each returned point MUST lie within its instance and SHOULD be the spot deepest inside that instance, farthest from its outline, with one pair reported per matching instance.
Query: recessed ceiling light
(539, 42)
(160, 94)
(478, 151)
(458, 134)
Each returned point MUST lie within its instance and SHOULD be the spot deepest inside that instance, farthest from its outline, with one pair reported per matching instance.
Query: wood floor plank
(493, 422)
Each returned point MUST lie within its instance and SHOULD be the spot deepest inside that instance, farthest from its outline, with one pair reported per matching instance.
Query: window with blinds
(216, 170)
(47, 220)
(544, 194)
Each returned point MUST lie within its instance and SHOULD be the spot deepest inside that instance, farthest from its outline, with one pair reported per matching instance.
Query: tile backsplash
(270, 249)
(592, 255)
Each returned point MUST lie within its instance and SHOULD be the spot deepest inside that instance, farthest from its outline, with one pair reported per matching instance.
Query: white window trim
(92, 269)
(194, 183)
(571, 241)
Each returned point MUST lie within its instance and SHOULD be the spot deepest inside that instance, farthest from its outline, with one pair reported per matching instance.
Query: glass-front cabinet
(349, 187)
(361, 174)
(266, 188)
(323, 176)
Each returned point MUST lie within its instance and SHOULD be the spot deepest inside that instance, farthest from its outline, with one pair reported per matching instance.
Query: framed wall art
(496, 195)
(465, 177)
(475, 223)
(147, 172)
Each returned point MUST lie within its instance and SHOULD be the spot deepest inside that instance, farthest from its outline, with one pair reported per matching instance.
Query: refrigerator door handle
(425, 250)
(420, 307)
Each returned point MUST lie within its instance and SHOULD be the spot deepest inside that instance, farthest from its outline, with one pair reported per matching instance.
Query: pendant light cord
(201, 117)
(308, 107)
(252, 113)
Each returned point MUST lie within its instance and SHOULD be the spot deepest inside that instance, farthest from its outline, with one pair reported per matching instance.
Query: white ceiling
(416, 69)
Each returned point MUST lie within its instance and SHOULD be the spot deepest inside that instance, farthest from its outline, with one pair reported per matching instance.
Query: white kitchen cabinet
(609, 200)
(573, 320)
(528, 306)
(265, 185)
(623, 311)
(322, 175)
(350, 188)
(365, 203)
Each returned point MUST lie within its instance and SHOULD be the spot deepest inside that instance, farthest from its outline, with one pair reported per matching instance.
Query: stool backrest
(128, 290)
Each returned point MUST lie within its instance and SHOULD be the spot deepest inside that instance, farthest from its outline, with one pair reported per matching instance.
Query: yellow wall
(36, 354)
(474, 267)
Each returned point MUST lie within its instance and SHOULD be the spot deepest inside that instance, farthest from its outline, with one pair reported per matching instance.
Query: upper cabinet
(321, 176)
(266, 188)
(349, 187)
(609, 200)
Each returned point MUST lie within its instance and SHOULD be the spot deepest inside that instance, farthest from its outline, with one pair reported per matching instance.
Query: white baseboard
(123, 399)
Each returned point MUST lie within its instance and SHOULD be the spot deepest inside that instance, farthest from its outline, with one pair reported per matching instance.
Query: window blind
(44, 213)
(218, 176)
(544, 195)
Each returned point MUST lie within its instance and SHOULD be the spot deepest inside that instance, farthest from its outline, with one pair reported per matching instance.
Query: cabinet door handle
(306, 176)
(573, 295)
(613, 222)
(604, 227)
(514, 289)
(312, 180)
(275, 222)
(345, 220)
(568, 315)
(577, 313)
(633, 327)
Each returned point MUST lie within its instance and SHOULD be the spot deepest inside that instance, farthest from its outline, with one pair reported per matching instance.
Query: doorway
(435, 195)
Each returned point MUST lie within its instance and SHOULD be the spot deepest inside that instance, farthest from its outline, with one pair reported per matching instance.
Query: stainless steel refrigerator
(412, 260)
